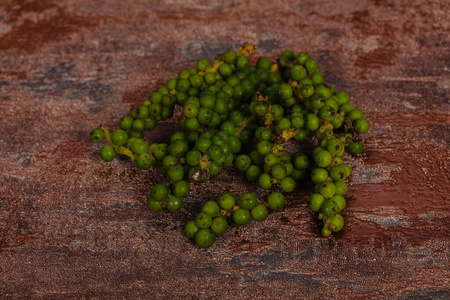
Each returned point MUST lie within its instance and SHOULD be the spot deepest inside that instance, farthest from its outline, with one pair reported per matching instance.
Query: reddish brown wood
(72, 226)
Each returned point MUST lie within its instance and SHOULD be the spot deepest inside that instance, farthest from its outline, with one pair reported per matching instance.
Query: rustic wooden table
(72, 226)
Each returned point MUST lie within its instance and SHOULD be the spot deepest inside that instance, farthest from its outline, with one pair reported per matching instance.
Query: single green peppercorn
(225, 70)
(285, 91)
(241, 216)
(242, 62)
(355, 148)
(311, 65)
(336, 223)
(338, 173)
(203, 144)
(340, 202)
(149, 124)
(130, 141)
(297, 122)
(275, 200)
(119, 137)
(355, 114)
(263, 63)
(192, 124)
(145, 161)
(335, 146)
(177, 136)
(174, 203)
(247, 201)
(219, 226)
(211, 208)
(215, 152)
(307, 90)
(262, 133)
(184, 74)
(190, 110)
(236, 116)
(329, 208)
(176, 172)
(322, 158)
(327, 189)
(271, 159)
(283, 124)
(203, 64)
(348, 170)
(323, 90)
(312, 122)
(193, 157)
(315, 202)
(327, 113)
(302, 57)
(230, 57)
(227, 201)
(210, 78)
(97, 135)
(178, 148)
(265, 181)
(341, 188)
(139, 146)
(242, 162)
(317, 78)
(301, 161)
(191, 229)
(259, 108)
(138, 125)
(343, 98)
(107, 153)
(264, 147)
(259, 212)
(183, 85)
(142, 111)
(279, 171)
(253, 173)
(156, 97)
(277, 111)
(154, 205)
(285, 157)
(214, 168)
(167, 162)
(347, 107)
(229, 127)
(203, 220)
(160, 192)
(319, 175)
(361, 125)
(297, 73)
(325, 232)
(205, 238)
(332, 101)
(196, 80)
(287, 184)
(126, 122)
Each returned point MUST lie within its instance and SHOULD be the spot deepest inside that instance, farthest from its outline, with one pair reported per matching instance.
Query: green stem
(244, 123)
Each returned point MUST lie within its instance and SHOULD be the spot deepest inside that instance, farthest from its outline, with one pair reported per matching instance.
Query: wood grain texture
(74, 227)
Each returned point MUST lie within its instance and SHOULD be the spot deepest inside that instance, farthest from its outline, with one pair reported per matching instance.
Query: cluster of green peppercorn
(242, 116)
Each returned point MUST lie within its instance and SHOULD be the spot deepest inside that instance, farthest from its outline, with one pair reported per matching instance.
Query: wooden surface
(72, 226)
